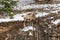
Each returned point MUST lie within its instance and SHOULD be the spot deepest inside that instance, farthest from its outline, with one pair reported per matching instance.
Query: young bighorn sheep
(30, 17)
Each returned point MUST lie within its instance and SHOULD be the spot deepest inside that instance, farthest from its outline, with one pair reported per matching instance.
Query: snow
(32, 6)
(56, 11)
(27, 28)
(18, 16)
(22, 2)
(46, 9)
(30, 34)
(41, 14)
(50, 17)
(5, 20)
(36, 6)
(56, 21)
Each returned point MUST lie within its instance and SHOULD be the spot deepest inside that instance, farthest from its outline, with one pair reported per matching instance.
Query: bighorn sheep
(30, 17)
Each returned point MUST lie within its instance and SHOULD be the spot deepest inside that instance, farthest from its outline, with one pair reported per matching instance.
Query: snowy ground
(18, 17)
(52, 8)
(56, 21)
(36, 6)
(25, 2)
(28, 28)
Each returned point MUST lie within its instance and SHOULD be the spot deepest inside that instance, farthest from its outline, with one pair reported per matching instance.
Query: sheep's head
(30, 17)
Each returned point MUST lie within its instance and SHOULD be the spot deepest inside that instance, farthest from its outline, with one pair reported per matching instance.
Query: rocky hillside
(32, 22)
